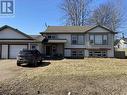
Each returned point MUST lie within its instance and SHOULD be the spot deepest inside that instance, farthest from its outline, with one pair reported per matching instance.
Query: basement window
(97, 53)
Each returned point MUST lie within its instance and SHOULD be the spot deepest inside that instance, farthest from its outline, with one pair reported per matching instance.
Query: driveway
(8, 69)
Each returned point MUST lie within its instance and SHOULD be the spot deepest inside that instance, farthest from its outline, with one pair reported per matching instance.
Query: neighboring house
(79, 41)
(12, 41)
(121, 43)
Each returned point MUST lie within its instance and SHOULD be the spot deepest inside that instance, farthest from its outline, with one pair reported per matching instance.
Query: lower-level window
(98, 53)
(77, 53)
(33, 46)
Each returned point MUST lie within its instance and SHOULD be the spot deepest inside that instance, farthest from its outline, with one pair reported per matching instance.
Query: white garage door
(14, 50)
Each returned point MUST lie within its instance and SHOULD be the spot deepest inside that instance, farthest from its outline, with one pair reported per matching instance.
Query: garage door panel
(14, 50)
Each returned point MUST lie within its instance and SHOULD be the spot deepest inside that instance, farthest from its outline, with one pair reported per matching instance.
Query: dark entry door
(48, 50)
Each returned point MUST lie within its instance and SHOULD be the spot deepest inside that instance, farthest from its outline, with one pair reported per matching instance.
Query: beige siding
(4, 51)
(10, 34)
(110, 53)
(86, 53)
(67, 53)
(99, 30)
(67, 37)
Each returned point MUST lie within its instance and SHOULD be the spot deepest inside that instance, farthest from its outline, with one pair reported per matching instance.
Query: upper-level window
(77, 39)
(91, 39)
(74, 39)
(105, 39)
(98, 39)
(51, 36)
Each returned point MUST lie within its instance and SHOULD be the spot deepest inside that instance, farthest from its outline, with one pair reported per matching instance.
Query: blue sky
(31, 15)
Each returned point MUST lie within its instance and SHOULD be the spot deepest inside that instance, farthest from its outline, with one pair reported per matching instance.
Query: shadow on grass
(40, 64)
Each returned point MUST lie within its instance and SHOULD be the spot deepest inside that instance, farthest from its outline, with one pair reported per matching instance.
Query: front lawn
(89, 76)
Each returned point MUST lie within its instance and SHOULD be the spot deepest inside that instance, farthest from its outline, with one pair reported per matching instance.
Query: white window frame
(78, 38)
(74, 39)
(94, 39)
(77, 53)
(91, 39)
(97, 53)
(105, 39)
(98, 39)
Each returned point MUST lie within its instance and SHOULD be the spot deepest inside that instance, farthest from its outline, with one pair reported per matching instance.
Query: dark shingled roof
(72, 29)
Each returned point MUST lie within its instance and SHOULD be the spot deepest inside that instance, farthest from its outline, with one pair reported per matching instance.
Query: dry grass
(89, 76)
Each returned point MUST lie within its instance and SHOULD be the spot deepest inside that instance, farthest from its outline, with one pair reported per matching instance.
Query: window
(80, 39)
(98, 53)
(74, 53)
(77, 39)
(90, 53)
(98, 39)
(91, 39)
(54, 49)
(80, 53)
(33, 47)
(51, 36)
(77, 53)
(105, 39)
(74, 39)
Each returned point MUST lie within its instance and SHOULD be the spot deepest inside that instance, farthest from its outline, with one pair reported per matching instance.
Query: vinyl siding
(4, 51)
(11, 34)
(68, 46)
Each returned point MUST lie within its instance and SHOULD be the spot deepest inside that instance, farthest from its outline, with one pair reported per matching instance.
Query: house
(121, 43)
(121, 48)
(79, 41)
(65, 41)
(13, 40)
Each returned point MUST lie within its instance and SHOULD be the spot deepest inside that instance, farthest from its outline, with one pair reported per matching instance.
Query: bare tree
(109, 15)
(76, 11)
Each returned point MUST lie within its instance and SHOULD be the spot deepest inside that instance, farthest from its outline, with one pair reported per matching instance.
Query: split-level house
(65, 41)
(79, 41)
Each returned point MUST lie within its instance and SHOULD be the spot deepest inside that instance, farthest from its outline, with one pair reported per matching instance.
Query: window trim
(51, 35)
(77, 53)
(78, 39)
(94, 53)
(102, 39)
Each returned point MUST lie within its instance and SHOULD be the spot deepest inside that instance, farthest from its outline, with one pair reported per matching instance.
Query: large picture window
(98, 39)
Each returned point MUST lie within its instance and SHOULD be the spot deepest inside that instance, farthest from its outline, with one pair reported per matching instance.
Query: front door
(48, 50)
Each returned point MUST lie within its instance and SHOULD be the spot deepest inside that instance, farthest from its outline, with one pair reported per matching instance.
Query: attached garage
(14, 50)
(12, 41)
